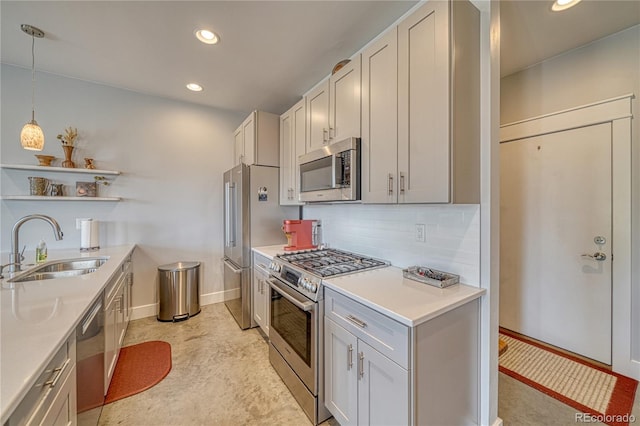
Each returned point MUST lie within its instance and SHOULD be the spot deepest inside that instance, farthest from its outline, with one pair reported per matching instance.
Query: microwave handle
(336, 171)
(334, 168)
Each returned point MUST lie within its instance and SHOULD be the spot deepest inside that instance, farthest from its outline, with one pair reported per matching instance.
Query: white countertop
(406, 301)
(269, 251)
(37, 317)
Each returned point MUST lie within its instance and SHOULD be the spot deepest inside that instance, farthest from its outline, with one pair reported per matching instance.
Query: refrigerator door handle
(229, 220)
(233, 200)
(233, 269)
(227, 214)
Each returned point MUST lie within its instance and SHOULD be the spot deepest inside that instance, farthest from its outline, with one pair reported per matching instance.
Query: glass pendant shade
(32, 137)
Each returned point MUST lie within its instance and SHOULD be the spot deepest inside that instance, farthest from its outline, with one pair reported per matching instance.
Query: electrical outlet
(420, 232)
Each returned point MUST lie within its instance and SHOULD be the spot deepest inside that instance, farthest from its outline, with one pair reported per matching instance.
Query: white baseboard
(144, 311)
(151, 310)
(219, 296)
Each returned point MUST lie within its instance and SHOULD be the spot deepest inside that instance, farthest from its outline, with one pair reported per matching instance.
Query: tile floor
(221, 376)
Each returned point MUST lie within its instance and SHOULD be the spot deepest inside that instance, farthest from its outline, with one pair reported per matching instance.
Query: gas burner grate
(331, 262)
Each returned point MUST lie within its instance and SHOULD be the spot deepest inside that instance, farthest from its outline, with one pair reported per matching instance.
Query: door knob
(600, 256)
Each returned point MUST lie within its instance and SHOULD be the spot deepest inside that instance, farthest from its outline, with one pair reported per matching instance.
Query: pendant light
(31, 136)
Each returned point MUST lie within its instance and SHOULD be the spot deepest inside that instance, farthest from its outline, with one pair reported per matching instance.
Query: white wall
(171, 155)
(388, 232)
(604, 69)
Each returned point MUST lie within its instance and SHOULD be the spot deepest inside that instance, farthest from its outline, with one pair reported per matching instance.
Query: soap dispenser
(41, 251)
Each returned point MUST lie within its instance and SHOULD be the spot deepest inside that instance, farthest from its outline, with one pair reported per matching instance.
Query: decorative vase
(45, 160)
(68, 151)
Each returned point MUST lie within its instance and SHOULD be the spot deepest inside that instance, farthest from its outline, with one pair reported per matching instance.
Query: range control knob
(314, 288)
(305, 283)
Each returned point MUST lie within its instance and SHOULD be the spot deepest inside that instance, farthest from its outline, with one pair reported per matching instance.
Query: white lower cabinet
(383, 389)
(116, 318)
(362, 385)
(52, 399)
(378, 371)
(261, 292)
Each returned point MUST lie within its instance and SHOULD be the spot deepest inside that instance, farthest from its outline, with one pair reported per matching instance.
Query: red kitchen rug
(600, 394)
(139, 368)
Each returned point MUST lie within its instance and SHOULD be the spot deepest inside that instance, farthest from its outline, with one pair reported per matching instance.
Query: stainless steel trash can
(179, 291)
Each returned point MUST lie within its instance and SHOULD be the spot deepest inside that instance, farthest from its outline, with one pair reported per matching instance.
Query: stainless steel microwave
(331, 173)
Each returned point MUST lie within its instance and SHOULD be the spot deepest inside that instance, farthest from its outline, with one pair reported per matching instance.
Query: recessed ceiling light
(559, 5)
(207, 36)
(194, 87)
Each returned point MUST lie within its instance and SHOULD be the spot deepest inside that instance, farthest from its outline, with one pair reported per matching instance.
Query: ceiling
(270, 53)
(531, 32)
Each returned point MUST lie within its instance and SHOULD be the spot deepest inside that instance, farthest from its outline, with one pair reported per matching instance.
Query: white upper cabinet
(344, 102)
(333, 107)
(256, 141)
(292, 145)
(317, 101)
(420, 109)
(379, 144)
(438, 104)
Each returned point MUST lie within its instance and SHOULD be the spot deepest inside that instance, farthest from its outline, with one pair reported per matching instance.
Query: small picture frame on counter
(86, 189)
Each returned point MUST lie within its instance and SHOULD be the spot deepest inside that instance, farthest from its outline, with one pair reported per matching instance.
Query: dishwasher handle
(87, 322)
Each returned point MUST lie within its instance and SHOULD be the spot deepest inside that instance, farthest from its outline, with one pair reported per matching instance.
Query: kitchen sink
(61, 269)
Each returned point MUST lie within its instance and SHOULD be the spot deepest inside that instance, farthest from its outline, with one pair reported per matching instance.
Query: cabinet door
(110, 343)
(379, 142)
(238, 146)
(62, 411)
(340, 372)
(121, 312)
(249, 139)
(299, 140)
(423, 105)
(287, 159)
(259, 299)
(318, 117)
(383, 389)
(344, 97)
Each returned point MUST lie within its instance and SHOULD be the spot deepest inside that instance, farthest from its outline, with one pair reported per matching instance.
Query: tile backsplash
(452, 237)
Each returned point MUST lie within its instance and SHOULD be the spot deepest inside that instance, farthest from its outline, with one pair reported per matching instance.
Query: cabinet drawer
(381, 332)
(261, 262)
(36, 403)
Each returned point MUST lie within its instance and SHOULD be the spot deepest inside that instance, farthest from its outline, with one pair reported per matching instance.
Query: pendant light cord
(33, 78)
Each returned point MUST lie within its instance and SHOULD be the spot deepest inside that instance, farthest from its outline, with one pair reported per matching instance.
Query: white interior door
(556, 205)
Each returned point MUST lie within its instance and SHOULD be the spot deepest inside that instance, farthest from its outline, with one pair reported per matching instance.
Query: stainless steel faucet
(15, 257)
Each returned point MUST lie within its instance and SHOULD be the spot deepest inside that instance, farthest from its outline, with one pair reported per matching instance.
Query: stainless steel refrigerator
(252, 218)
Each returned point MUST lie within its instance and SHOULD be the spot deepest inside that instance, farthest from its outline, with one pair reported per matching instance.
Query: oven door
(294, 331)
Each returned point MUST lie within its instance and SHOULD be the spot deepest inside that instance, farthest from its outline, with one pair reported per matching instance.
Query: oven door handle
(304, 305)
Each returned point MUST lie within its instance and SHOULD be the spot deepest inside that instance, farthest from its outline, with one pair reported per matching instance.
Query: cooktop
(331, 262)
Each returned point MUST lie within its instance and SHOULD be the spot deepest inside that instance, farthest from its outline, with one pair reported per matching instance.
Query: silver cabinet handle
(332, 130)
(350, 357)
(599, 256)
(390, 184)
(361, 364)
(263, 267)
(325, 135)
(357, 321)
(52, 383)
(401, 182)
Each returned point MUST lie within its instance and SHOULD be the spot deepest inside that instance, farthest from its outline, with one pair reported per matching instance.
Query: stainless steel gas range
(297, 313)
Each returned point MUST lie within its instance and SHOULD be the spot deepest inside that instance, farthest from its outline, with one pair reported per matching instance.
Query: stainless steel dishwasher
(90, 342)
